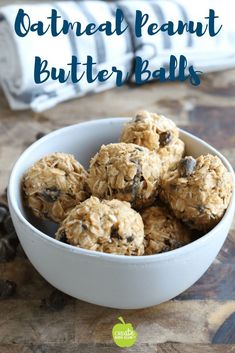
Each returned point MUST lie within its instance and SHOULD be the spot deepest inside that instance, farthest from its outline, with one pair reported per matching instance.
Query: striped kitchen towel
(17, 54)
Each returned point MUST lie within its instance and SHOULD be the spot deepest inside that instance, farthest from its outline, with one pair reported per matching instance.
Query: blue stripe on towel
(73, 44)
(185, 19)
(99, 40)
(160, 15)
(129, 45)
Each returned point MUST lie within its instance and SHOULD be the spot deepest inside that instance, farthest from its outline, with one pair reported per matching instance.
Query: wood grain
(23, 321)
(226, 332)
(190, 322)
(218, 282)
(147, 348)
(180, 348)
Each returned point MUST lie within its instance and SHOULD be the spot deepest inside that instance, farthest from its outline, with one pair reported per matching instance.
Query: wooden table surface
(192, 322)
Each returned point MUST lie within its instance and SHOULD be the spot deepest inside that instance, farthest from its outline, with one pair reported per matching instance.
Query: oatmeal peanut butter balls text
(54, 185)
(107, 226)
(158, 134)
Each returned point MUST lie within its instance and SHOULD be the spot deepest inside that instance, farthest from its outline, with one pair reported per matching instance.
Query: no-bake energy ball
(199, 191)
(163, 232)
(106, 226)
(125, 172)
(54, 185)
(158, 134)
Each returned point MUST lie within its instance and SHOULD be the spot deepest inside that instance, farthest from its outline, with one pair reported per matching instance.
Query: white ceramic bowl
(106, 279)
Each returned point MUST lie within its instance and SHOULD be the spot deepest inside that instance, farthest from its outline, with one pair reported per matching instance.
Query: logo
(123, 334)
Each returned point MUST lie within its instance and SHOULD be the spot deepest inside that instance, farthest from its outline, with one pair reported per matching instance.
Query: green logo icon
(123, 334)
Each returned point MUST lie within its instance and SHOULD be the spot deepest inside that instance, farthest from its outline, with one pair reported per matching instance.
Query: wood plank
(178, 321)
(24, 321)
(221, 84)
(30, 284)
(227, 253)
(217, 283)
(202, 348)
(146, 348)
(71, 348)
(213, 124)
(226, 332)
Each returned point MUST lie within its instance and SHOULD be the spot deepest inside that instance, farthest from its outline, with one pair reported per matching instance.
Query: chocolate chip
(12, 237)
(134, 161)
(51, 194)
(138, 178)
(20, 252)
(130, 239)
(139, 117)
(167, 242)
(167, 245)
(177, 244)
(8, 246)
(200, 209)
(114, 233)
(171, 244)
(5, 192)
(173, 186)
(8, 225)
(39, 135)
(186, 166)
(8, 238)
(165, 138)
(45, 214)
(4, 205)
(3, 213)
(7, 289)
(139, 149)
(55, 302)
(63, 237)
(84, 227)
(126, 190)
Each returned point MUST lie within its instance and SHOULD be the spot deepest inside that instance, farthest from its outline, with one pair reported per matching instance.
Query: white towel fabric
(17, 54)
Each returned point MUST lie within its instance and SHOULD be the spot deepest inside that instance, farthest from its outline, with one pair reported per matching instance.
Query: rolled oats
(158, 134)
(163, 232)
(54, 185)
(126, 172)
(201, 196)
(106, 226)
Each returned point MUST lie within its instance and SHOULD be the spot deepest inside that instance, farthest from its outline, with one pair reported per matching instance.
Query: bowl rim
(14, 208)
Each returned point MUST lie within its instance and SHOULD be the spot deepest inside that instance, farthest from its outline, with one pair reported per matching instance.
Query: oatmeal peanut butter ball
(54, 185)
(163, 232)
(158, 134)
(109, 226)
(126, 172)
(199, 191)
